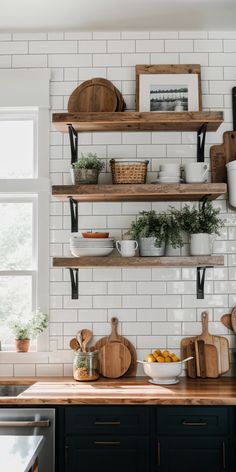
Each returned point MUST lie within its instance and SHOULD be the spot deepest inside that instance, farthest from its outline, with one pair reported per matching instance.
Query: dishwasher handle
(25, 424)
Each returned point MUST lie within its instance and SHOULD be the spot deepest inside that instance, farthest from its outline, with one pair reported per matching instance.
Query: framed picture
(168, 88)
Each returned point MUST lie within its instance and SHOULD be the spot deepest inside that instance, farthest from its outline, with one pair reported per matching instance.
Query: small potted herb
(27, 329)
(87, 169)
(200, 224)
(153, 232)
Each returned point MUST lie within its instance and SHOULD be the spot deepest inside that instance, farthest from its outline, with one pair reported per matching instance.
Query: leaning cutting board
(95, 95)
(118, 338)
(219, 342)
(221, 154)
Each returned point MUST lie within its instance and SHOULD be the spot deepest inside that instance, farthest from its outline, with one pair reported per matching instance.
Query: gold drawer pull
(106, 443)
(189, 423)
(107, 423)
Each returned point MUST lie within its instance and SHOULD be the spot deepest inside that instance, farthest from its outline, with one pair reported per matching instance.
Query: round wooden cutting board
(115, 360)
(95, 95)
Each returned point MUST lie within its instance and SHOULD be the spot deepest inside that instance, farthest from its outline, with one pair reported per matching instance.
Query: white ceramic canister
(231, 177)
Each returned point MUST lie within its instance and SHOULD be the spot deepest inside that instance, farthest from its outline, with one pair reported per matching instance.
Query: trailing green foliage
(29, 328)
(164, 227)
(202, 220)
(89, 161)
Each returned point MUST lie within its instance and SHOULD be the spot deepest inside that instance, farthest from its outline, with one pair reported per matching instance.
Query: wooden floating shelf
(135, 193)
(118, 261)
(136, 121)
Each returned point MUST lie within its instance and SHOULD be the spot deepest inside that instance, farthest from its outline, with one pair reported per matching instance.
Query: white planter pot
(200, 244)
(147, 248)
(231, 178)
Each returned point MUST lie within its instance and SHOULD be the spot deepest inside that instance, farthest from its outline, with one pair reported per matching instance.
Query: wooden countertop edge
(124, 391)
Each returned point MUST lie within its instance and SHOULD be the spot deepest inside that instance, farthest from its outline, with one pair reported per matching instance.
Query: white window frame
(34, 189)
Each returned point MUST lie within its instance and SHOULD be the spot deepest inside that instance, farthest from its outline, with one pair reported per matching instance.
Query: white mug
(195, 172)
(127, 247)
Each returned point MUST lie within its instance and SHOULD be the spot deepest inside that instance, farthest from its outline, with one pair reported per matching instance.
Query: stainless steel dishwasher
(32, 421)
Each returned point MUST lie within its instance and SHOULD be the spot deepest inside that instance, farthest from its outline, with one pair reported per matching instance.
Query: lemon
(160, 359)
(150, 358)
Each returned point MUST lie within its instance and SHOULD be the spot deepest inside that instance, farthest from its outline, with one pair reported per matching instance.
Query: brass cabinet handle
(189, 423)
(107, 423)
(106, 443)
(158, 453)
(223, 455)
(25, 424)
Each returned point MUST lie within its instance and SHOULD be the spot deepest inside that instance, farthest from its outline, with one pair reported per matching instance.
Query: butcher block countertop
(130, 391)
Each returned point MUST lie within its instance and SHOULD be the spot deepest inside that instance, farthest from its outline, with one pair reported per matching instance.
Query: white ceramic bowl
(91, 251)
(166, 373)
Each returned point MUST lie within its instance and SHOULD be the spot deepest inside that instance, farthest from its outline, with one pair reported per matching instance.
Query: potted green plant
(154, 231)
(27, 329)
(200, 224)
(87, 169)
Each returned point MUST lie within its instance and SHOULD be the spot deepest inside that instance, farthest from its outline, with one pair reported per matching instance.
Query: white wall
(155, 307)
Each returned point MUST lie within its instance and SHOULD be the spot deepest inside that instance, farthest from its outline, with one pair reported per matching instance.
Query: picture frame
(168, 88)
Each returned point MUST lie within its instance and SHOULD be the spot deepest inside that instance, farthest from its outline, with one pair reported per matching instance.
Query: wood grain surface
(94, 95)
(135, 121)
(221, 344)
(116, 337)
(139, 192)
(117, 261)
(128, 390)
(221, 154)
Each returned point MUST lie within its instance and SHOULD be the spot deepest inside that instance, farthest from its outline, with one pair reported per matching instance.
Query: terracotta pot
(22, 345)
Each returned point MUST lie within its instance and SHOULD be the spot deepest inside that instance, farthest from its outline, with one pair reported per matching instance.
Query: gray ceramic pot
(147, 248)
(84, 176)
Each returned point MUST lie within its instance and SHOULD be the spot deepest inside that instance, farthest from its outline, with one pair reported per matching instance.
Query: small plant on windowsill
(87, 169)
(27, 329)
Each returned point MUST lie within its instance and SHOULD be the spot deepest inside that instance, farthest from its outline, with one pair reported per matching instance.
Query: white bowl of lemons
(163, 368)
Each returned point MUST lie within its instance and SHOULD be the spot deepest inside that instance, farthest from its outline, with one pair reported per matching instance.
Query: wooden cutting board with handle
(133, 365)
(221, 154)
(221, 344)
(114, 356)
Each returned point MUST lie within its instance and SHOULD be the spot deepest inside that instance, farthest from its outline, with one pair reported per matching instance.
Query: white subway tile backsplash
(52, 47)
(182, 45)
(92, 47)
(208, 45)
(151, 45)
(156, 307)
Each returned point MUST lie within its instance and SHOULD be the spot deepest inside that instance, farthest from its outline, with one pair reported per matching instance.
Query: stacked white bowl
(91, 246)
(169, 173)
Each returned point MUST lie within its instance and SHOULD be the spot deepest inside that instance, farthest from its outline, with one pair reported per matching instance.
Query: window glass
(16, 221)
(16, 149)
(16, 300)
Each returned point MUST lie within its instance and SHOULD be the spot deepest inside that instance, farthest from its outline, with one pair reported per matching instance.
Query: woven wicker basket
(128, 172)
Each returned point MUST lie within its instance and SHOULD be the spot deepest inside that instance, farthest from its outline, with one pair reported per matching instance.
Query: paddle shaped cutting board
(221, 344)
(115, 357)
(221, 154)
(118, 338)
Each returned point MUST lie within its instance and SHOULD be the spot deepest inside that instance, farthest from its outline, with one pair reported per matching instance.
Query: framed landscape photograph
(168, 88)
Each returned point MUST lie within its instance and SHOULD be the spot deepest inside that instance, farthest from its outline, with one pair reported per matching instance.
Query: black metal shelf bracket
(201, 272)
(74, 278)
(74, 215)
(73, 143)
(201, 136)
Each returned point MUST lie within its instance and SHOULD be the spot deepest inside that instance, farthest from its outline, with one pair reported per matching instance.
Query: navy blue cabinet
(149, 438)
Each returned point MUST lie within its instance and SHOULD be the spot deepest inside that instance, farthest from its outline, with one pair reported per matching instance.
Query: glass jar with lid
(86, 366)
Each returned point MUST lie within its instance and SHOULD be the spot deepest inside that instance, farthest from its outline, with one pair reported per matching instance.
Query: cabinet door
(107, 453)
(186, 454)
